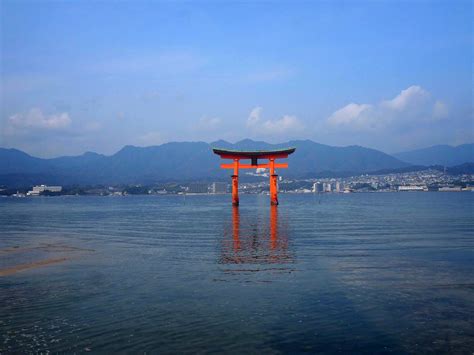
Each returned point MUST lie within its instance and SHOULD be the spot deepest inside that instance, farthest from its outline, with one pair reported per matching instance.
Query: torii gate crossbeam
(253, 156)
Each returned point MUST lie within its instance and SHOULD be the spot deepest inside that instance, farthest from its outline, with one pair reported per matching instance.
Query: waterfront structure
(450, 189)
(219, 188)
(327, 187)
(198, 188)
(37, 190)
(412, 188)
(317, 187)
(253, 156)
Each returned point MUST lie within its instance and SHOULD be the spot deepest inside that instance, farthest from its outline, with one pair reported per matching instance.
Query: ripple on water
(359, 273)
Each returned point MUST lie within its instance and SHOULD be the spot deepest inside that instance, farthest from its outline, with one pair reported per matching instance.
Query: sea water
(349, 273)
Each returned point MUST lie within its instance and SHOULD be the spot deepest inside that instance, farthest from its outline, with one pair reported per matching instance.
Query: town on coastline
(425, 180)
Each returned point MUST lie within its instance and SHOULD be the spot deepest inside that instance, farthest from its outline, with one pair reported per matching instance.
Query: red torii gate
(254, 155)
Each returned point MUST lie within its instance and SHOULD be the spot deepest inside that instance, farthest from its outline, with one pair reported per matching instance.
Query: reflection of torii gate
(273, 228)
(237, 155)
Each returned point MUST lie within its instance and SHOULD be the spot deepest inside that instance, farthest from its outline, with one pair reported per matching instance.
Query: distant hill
(466, 168)
(183, 161)
(445, 155)
(14, 161)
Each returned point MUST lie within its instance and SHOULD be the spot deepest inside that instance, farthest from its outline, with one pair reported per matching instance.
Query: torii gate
(254, 155)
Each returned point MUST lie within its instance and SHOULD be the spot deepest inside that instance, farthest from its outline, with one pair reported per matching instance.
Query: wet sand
(62, 253)
(44, 247)
(22, 267)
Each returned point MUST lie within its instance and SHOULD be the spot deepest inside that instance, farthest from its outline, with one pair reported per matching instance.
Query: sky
(79, 76)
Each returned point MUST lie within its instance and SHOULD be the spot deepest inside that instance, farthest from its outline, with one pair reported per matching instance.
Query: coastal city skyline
(393, 76)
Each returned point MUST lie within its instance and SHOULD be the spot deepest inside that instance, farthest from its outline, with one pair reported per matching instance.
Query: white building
(37, 190)
(412, 188)
(317, 187)
(327, 187)
(450, 189)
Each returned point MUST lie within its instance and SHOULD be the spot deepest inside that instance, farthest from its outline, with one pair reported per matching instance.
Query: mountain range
(193, 161)
(445, 155)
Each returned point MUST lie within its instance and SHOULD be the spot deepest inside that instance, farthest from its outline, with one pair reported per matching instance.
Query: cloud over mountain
(412, 106)
(287, 124)
(208, 123)
(36, 119)
(411, 97)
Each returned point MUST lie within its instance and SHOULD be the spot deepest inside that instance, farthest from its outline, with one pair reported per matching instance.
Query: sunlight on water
(368, 273)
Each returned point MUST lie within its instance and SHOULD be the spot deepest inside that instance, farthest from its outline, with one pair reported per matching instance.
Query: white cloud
(414, 95)
(151, 138)
(286, 125)
(412, 107)
(348, 114)
(254, 116)
(208, 123)
(36, 119)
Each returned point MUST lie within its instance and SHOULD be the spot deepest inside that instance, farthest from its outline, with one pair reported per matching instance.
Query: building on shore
(450, 189)
(412, 188)
(218, 187)
(317, 187)
(327, 187)
(198, 188)
(37, 190)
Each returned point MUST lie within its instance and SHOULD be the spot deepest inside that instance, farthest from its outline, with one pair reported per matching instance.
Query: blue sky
(82, 76)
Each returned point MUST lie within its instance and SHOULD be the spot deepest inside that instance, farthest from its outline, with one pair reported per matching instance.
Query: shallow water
(365, 273)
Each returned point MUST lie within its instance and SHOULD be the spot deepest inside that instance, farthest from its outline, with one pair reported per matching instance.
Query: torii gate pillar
(273, 184)
(235, 184)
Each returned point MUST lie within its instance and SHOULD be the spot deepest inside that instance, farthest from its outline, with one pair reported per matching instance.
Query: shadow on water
(258, 241)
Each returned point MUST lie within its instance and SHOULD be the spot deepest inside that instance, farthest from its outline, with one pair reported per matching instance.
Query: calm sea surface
(348, 273)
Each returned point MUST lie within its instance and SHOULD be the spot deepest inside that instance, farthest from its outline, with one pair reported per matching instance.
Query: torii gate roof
(252, 154)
